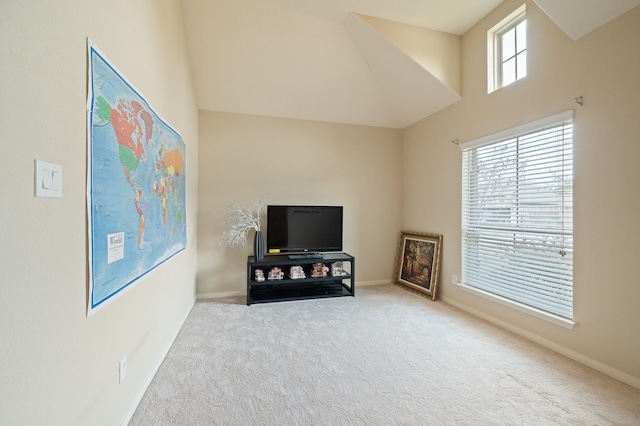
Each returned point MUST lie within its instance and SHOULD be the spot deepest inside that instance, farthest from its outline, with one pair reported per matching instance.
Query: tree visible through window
(517, 214)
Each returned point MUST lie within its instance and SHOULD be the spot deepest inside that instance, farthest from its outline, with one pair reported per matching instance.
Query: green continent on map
(102, 110)
(127, 158)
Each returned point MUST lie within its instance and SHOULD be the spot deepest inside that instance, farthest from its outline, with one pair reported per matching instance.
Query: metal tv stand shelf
(300, 288)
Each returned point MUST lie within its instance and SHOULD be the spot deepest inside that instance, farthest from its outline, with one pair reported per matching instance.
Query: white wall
(297, 162)
(602, 66)
(57, 366)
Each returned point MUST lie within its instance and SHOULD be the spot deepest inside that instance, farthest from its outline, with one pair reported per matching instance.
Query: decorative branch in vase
(243, 219)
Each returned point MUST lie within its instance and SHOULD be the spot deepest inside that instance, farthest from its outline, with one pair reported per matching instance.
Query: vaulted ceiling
(370, 62)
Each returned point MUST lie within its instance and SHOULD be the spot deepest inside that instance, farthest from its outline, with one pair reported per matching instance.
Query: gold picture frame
(418, 261)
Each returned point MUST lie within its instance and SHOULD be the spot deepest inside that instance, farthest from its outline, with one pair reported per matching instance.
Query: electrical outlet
(123, 369)
(454, 279)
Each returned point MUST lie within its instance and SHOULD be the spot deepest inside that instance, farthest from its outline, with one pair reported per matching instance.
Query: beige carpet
(385, 357)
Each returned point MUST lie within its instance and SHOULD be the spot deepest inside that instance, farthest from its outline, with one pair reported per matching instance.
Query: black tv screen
(293, 229)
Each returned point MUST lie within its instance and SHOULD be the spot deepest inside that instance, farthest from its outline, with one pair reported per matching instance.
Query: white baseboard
(562, 350)
(221, 294)
(369, 283)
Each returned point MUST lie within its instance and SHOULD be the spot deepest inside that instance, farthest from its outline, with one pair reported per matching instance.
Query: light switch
(56, 180)
(48, 180)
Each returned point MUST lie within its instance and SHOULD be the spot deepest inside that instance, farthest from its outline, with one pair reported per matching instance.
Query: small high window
(508, 50)
(513, 53)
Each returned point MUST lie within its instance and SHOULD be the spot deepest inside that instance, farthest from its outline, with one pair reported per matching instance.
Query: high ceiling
(338, 61)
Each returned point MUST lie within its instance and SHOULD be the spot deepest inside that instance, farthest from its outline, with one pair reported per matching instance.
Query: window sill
(555, 319)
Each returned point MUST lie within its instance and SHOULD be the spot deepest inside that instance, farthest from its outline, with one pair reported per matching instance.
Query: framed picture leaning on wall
(418, 261)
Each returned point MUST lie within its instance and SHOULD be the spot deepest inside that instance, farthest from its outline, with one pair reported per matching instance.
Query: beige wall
(604, 67)
(58, 367)
(297, 162)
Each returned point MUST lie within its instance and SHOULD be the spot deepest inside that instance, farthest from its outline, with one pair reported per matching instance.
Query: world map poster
(135, 184)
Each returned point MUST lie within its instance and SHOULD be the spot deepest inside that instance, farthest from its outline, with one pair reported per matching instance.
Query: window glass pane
(522, 65)
(509, 72)
(517, 226)
(521, 36)
(508, 41)
(496, 169)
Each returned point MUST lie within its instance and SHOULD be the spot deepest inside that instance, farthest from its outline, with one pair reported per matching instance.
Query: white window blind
(517, 214)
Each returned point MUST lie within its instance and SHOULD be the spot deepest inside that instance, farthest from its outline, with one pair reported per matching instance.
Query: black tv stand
(306, 256)
(335, 282)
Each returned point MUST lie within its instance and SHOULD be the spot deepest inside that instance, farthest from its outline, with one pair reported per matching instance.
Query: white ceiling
(322, 60)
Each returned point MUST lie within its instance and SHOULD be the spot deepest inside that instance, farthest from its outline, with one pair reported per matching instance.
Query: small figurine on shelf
(296, 272)
(275, 274)
(259, 274)
(319, 270)
(337, 269)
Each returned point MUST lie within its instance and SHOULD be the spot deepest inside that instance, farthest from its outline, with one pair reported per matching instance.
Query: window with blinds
(517, 215)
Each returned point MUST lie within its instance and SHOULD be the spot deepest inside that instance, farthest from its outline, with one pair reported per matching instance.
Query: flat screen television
(304, 229)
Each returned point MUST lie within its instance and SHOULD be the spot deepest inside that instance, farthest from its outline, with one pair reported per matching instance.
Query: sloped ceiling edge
(411, 90)
(579, 17)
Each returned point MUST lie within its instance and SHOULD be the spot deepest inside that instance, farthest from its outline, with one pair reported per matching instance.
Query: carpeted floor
(386, 357)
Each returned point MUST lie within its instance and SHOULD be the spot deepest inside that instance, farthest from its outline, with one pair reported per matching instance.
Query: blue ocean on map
(136, 186)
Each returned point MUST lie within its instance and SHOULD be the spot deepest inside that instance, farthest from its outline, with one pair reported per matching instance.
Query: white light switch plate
(48, 180)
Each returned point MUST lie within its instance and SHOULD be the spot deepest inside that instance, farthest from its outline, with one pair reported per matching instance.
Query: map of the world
(135, 184)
